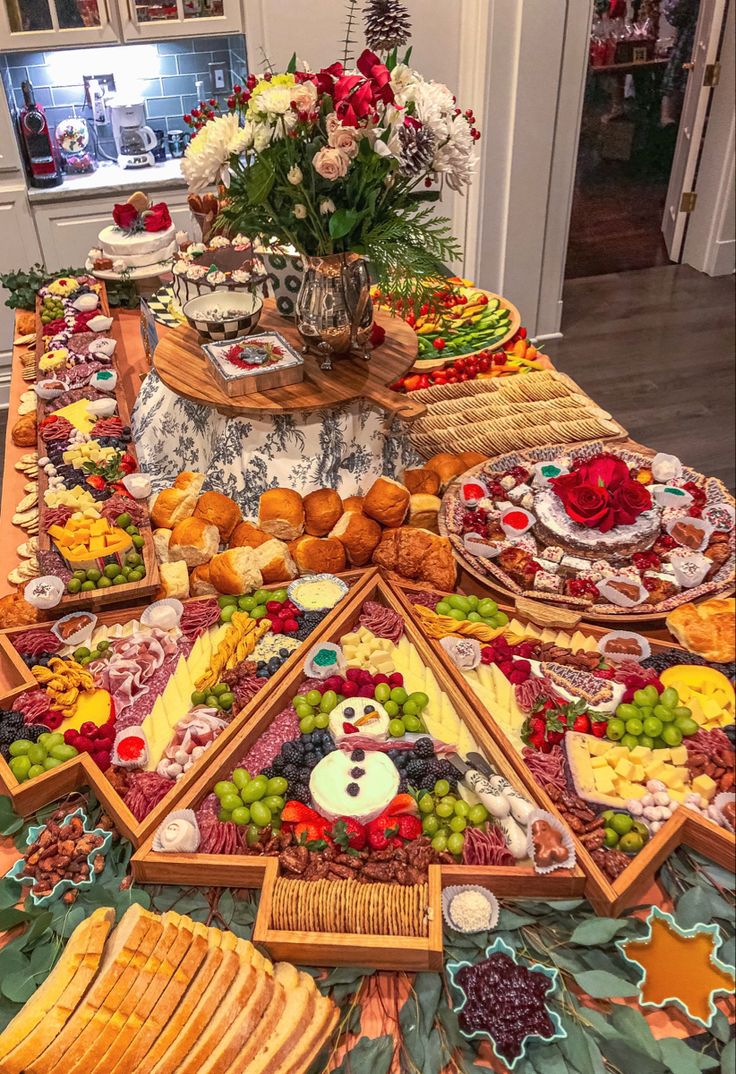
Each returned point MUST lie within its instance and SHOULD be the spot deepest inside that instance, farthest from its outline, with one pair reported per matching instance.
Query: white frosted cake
(138, 249)
(555, 527)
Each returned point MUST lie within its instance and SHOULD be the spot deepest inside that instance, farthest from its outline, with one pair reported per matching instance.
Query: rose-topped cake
(607, 528)
(142, 234)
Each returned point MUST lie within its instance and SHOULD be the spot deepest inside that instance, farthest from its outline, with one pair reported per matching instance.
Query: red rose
(604, 471)
(325, 79)
(157, 217)
(589, 506)
(124, 215)
(629, 500)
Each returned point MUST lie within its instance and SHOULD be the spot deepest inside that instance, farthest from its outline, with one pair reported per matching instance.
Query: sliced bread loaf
(307, 1049)
(293, 1022)
(285, 977)
(46, 1013)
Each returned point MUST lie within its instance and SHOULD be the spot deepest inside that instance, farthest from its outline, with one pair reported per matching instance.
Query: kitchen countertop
(111, 179)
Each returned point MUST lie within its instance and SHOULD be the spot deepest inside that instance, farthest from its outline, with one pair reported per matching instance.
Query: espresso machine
(134, 139)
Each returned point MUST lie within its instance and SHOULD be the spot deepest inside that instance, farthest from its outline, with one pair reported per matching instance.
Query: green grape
(274, 802)
(462, 809)
(478, 815)
(441, 788)
(241, 815)
(277, 785)
(444, 810)
(396, 728)
(241, 777)
(455, 844)
(321, 721)
(306, 725)
(439, 843)
(230, 802)
(458, 824)
(669, 698)
(430, 825)
(260, 814)
(426, 803)
(313, 698)
(382, 692)
(225, 787)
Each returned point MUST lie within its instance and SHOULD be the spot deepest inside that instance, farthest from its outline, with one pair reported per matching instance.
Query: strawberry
(599, 728)
(381, 831)
(402, 803)
(410, 827)
(582, 724)
(348, 832)
(96, 482)
(309, 833)
(297, 812)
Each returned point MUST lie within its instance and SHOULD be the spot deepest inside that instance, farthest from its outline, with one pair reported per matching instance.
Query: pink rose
(330, 163)
(345, 139)
(304, 96)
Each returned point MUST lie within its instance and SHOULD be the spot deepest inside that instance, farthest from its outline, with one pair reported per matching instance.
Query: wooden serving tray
(240, 871)
(115, 594)
(81, 771)
(407, 953)
(685, 828)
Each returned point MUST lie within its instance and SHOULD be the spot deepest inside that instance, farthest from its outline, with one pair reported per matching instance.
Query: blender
(134, 139)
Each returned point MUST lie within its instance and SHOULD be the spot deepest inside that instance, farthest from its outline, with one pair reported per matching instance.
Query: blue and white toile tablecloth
(345, 448)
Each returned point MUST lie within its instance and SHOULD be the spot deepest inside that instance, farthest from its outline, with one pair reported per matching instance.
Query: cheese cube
(626, 789)
(678, 794)
(668, 776)
(678, 755)
(624, 768)
(711, 708)
(598, 747)
(637, 791)
(641, 754)
(599, 762)
(654, 770)
(604, 780)
(683, 773)
(617, 752)
(637, 773)
(705, 786)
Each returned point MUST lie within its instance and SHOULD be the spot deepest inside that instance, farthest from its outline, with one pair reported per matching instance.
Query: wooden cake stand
(181, 364)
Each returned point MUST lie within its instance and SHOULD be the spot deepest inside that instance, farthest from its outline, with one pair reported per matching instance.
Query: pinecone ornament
(387, 25)
(417, 151)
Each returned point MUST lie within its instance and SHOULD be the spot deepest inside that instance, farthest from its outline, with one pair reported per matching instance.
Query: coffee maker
(134, 140)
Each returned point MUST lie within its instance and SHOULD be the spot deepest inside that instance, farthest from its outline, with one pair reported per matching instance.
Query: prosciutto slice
(133, 663)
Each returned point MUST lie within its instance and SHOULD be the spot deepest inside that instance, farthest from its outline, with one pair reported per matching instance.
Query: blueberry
(284, 653)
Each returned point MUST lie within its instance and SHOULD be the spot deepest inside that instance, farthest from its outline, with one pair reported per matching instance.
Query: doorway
(635, 87)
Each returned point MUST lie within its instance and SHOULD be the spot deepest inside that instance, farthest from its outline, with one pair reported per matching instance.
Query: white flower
(326, 206)
(207, 157)
(276, 100)
(295, 175)
(261, 136)
(300, 211)
(454, 157)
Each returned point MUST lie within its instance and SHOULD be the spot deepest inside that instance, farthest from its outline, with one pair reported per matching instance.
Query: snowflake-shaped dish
(64, 885)
(502, 948)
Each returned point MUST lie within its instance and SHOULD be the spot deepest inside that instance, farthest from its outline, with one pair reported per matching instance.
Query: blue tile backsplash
(165, 73)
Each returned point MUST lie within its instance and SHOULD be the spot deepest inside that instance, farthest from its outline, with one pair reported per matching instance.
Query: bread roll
(23, 433)
(417, 555)
(172, 506)
(472, 458)
(353, 503)
(190, 481)
(447, 467)
(247, 535)
(220, 511)
(359, 536)
(193, 541)
(387, 501)
(235, 571)
(199, 582)
(161, 538)
(708, 629)
(422, 480)
(174, 580)
(423, 511)
(281, 514)
(321, 511)
(319, 555)
(274, 562)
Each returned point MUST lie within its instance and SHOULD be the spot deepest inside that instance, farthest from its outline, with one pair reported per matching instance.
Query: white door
(39, 24)
(692, 124)
(144, 19)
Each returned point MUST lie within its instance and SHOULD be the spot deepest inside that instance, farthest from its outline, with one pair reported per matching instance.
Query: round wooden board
(181, 363)
(424, 365)
(494, 588)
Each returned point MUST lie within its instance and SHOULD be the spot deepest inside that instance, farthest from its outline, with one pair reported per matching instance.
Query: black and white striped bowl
(242, 308)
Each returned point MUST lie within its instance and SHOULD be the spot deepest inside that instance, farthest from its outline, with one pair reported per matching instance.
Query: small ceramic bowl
(496, 948)
(63, 885)
(224, 314)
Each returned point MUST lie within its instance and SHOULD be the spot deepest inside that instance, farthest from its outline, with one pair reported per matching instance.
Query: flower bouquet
(343, 165)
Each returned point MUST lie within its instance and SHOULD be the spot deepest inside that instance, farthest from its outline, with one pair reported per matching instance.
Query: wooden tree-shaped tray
(81, 770)
(685, 827)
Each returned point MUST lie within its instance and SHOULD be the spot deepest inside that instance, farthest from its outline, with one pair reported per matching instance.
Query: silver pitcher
(334, 311)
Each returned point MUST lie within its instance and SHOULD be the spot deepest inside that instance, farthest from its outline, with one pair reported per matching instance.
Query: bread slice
(47, 1011)
(135, 928)
(293, 1023)
(102, 1030)
(242, 1026)
(249, 975)
(178, 965)
(192, 977)
(282, 979)
(194, 1013)
(303, 1054)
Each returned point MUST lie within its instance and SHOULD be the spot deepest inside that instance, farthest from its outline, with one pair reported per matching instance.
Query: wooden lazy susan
(181, 363)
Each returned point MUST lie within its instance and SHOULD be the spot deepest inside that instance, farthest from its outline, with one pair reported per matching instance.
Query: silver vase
(334, 312)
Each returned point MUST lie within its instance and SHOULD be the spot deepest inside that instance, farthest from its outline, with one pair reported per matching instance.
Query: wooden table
(181, 364)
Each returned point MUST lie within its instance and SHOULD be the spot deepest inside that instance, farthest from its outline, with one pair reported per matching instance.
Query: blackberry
(268, 772)
(423, 748)
(300, 793)
(415, 769)
(353, 790)
(290, 750)
(426, 783)
(290, 772)
(279, 764)
(403, 786)
(357, 755)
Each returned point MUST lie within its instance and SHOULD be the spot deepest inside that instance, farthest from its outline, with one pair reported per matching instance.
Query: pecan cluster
(394, 865)
(60, 853)
(579, 817)
(719, 765)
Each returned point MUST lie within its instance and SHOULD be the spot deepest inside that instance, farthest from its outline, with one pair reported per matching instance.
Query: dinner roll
(194, 541)
(359, 536)
(281, 514)
(161, 538)
(321, 511)
(387, 501)
(174, 580)
(422, 480)
(447, 467)
(246, 534)
(423, 511)
(199, 582)
(353, 503)
(235, 571)
(274, 562)
(220, 510)
(318, 555)
(472, 458)
(172, 506)
(190, 481)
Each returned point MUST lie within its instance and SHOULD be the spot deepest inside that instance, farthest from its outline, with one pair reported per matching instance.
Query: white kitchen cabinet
(67, 229)
(20, 250)
(39, 24)
(47, 24)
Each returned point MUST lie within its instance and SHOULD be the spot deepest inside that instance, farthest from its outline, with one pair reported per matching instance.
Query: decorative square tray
(254, 364)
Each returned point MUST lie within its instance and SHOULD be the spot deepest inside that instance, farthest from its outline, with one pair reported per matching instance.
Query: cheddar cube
(624, 768)
(637, 773)
(654, 770)
(678, 755)
(678, 794)
(711, 708)
(599, 762)
(704, 785)
(97, 546)
(598, 747)
(604, 780)
(641, 754)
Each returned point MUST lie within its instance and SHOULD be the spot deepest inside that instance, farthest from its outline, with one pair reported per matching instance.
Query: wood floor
(656, 348)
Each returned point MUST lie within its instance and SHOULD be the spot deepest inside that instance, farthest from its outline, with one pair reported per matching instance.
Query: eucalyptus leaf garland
(603, 1037)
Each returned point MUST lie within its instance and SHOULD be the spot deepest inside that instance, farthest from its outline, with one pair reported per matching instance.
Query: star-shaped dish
(679, 966)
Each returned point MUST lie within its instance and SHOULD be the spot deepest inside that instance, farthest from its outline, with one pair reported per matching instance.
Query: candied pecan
(317, 869)
(70, 896)
(378, 870)
(593, 840)
(339, 872)
(575, 824)
(295, 859)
